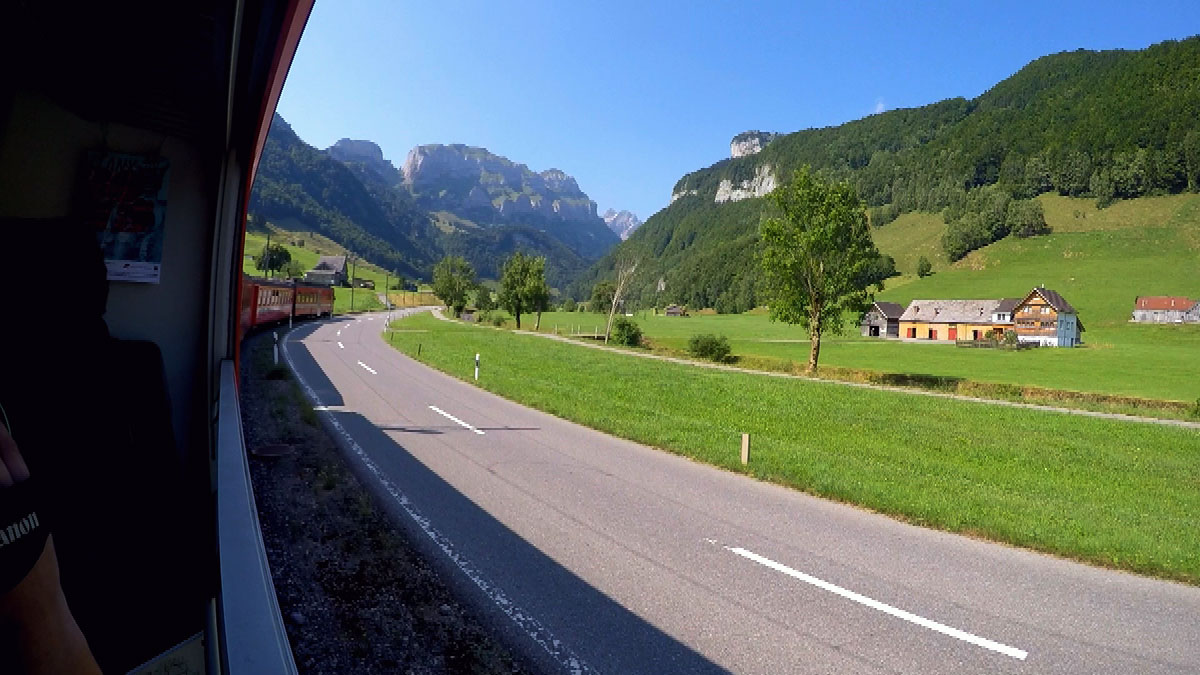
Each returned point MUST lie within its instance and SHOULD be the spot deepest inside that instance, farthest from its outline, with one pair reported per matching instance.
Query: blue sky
(629, 96)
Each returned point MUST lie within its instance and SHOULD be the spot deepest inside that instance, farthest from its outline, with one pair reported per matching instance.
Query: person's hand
(35, 622)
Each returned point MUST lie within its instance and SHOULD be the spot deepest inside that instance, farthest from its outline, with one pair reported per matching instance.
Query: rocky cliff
(750, 143)
(478, 186)
(758, 186)
(368, 156)
(622, 223)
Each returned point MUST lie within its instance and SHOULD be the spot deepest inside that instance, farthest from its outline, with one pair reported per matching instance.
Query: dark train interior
(122, 394)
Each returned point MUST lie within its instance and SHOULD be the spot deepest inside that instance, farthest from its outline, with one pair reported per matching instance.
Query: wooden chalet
(882, 320)
(1165, 309)
(1045, 318)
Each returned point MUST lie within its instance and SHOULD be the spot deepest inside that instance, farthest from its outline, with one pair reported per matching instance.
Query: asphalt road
(594, 554)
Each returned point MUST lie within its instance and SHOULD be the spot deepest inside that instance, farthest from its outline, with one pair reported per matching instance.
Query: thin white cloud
(879, 106)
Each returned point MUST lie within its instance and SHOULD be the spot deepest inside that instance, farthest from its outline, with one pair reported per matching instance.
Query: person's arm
(35, 622)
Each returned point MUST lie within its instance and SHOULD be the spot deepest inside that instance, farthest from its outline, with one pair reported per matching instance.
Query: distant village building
(1045, 318)
(882, 320)
(1165, 309)
(949, 320)
(330, 270)
(675, 310)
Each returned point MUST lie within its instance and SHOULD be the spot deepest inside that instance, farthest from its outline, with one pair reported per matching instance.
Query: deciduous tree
(273, 258)
(814, 252)
(453, 279)
(523, 286)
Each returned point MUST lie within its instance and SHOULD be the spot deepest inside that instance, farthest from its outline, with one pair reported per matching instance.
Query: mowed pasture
(1100, 260)
(1119, 494)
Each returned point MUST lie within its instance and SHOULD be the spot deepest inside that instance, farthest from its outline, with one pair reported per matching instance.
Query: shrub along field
(1114, 493)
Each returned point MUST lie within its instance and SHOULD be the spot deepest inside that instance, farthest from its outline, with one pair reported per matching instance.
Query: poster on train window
(125, 204)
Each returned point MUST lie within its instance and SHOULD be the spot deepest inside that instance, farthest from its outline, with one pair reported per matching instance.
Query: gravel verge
(354, 594)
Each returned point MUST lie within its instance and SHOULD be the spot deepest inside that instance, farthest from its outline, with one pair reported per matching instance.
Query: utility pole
(387, 286)
(267, 255)
(352, 283)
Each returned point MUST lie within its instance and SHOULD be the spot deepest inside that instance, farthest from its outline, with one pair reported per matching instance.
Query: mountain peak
(750, 143)
(369, 155)
(623, 223)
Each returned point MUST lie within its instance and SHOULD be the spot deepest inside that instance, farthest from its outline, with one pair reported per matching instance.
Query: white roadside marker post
(276, 334)
(745, 449)
(476, 367)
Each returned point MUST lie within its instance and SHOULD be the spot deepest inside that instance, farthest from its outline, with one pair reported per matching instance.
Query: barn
(882, 320)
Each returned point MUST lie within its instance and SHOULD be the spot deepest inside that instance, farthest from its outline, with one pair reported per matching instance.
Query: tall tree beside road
(453, 280)
(523, 286)
(814, 255)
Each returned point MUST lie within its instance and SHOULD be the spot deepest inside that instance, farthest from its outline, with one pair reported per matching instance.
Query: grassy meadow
(1113, 493)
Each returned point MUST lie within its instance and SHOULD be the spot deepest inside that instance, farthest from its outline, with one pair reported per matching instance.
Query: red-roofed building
(1165, 309)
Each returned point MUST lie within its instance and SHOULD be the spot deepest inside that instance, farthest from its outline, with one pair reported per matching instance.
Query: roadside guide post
(476, 367)
(745, 448)
(276, 334)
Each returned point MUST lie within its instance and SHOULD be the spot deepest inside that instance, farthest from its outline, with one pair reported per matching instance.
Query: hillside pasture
(1099, 259)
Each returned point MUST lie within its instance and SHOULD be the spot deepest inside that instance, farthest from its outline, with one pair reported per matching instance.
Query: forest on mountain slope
(1105, 125)
(305, 189)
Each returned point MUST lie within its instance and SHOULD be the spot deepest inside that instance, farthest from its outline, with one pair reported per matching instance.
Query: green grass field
(1114, 493)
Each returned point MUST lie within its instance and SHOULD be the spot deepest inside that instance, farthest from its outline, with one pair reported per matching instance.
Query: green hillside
(1107, 126)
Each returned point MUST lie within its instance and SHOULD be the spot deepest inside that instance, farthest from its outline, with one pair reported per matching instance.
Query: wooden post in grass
(745, 449)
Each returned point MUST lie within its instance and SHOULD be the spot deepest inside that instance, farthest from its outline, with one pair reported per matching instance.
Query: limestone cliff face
(487, 189)
(623, 223)
(762, 183)
(368, 155)
(750, 143)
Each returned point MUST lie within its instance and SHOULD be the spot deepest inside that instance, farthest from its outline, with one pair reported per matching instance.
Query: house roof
(950, 311)
(1161, 302)
(890, 310)
(1007, 305)
(1055, 300)
(334, 263)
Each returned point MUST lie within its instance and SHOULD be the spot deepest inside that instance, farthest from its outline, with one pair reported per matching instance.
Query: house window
(1045, 310)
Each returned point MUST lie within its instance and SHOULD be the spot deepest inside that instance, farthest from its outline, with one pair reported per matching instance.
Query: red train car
(265, 302)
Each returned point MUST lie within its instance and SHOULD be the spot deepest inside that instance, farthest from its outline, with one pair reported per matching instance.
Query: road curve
(594, 554)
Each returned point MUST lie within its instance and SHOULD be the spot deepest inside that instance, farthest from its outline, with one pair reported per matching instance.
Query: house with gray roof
(330, 270)
(951, 320)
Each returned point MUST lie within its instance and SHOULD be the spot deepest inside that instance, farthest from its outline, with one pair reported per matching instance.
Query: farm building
(956, 319)
(329, 270)
(675, 310)
(882, 320)
(1045, 318)
(1165, 309)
